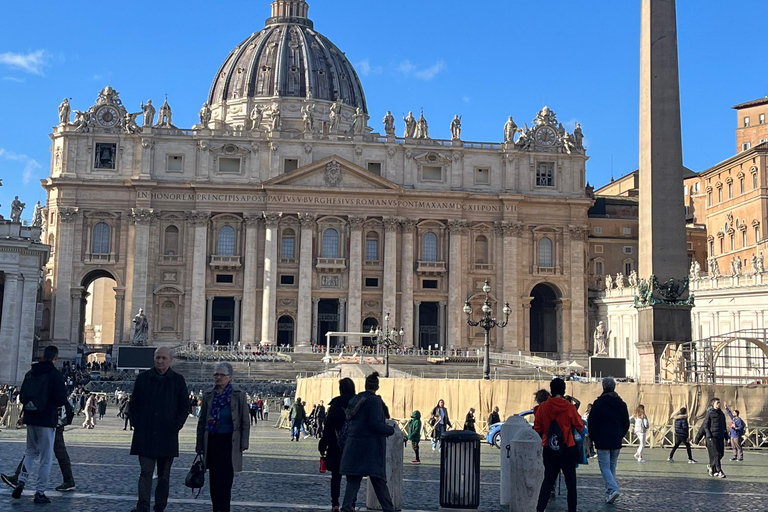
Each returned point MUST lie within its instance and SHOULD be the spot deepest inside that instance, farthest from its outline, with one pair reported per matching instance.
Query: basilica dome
(288, 59)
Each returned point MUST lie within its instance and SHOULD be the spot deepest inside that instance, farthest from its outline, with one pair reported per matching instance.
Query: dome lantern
(290, 11)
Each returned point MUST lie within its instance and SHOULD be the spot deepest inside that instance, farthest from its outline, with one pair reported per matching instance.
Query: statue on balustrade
(601, 340)
(389, 123)
(456, 128)
(714, 268)
(510, 128)
(633, 279)
(149, 113)
(257, 115)
(619, 281)
(16, 208)
(760, 264)
(608, 282)
(64, 110)
(37, 217)
(205, 115)
(141, 328)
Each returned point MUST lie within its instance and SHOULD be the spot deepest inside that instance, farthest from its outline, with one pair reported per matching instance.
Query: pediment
(332, 173)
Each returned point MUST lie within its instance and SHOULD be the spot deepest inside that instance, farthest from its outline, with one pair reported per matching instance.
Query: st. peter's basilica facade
(283, 215)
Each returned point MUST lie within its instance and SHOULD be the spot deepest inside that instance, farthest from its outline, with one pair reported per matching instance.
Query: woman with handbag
(440, 421)
(222, 435)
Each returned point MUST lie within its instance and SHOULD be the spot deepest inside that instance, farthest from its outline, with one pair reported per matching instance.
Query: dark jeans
(254, 417)
(379, 487)
(554, 462)
(335, 488)
(60, 451)
(145, 483)
(678, 442)
(716, 449)
(127, 423)
(415, 446)
(220, 472)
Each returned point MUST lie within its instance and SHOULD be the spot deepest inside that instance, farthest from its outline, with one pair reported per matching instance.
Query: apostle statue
(16, 208)
(619, 281)
(335, 116)
(257, 115)
(141, 328)
(410, 126)
(578, 137)
(760, 264)
(37, 217)
(308, 118)
(389, 123)
(714, 268)
(608, 282)
(509, 131)
(358, 122)
(149, 113)
(692, 271)
(456, 128)
(600, 337)
(276, 121)
(64, 110)
(633, 279)
(205, 115)
(422, 128)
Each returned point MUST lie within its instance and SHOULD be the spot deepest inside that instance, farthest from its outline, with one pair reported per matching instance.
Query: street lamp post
(487, 322)
(387, 338)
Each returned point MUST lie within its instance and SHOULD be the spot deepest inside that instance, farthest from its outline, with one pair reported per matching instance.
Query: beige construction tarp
(403, 396)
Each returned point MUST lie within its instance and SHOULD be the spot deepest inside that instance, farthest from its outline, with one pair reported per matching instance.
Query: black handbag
(196, 476)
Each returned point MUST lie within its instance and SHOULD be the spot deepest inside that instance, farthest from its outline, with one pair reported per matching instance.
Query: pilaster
(354, 312)
(248, 323)
(406, 279)
(63, 278)
(269, 301)
(389, 298)
(305, 328)
(199, 329)
(456, 229)
(9, 334)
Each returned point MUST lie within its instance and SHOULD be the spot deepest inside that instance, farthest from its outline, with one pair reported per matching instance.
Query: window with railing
(330, 243)
(545, 253)
(226, 241)
(171, 245)
(101, 238)
(288, 245)
(481, 251)
(372, 247)
(429, 247)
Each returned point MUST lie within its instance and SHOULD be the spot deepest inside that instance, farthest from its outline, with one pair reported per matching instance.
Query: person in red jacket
(560, 451)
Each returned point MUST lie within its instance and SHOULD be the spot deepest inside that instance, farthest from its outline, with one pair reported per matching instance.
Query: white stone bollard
(527, 470)
(508, 429)
(394, 459)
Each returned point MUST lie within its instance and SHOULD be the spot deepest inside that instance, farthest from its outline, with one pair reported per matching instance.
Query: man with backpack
(555, 421)
(608, 424)
(738, 428)
(42, 393)
(296, 417)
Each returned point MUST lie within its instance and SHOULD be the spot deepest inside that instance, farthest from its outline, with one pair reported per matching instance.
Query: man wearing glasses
(159, 407)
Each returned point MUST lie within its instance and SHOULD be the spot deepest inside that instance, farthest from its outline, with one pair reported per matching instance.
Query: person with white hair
(222, 434)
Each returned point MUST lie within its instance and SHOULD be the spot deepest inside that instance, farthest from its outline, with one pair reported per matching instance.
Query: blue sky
(482, 60)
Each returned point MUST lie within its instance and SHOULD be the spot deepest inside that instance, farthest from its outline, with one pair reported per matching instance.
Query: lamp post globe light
(387, 338)
(487, 322)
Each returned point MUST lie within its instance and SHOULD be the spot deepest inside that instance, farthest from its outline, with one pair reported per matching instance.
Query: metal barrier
(663, 436)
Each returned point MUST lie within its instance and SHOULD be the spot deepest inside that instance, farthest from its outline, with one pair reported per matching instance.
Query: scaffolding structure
(739, 357)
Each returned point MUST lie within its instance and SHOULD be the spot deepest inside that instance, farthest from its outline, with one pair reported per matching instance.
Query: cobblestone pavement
(283, 475)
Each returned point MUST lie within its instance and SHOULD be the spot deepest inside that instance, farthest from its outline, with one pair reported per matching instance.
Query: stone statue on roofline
(389, 123)
(410, 125)
(37, 217)
(510, 128)
(16, 208)
(335, 116)
(64, 111)
(608, 282)
(257, 116)
(633, 279)
(205, 115)
(149, 113)
(760, 263)
(456, 128)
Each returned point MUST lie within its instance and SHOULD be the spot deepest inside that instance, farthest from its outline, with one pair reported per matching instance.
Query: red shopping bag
(322, 465)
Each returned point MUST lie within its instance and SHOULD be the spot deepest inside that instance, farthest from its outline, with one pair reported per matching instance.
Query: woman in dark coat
(441, 422)
(329, 444)
(469, 421)
(681, 435)
(365, 448)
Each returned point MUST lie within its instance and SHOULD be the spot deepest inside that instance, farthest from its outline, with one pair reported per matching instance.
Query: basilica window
(226, 241)
(229, 165)
(481, 250)
(375, 168)
(712, 248)
(104, 156)
(429, 247)
(730, 190)
(545, 174)
(174, 163)
(754, 180)
(372, 246)
(545, 253)
(330, 243)
(709, 198)
(741, 185)
(733, 242)
(171, 245)
(757, 234)
(101, 238)
(719, 195)
(598, 268)
(482, 176)
(288, 246)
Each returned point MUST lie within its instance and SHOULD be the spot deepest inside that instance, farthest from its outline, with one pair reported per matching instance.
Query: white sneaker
(612, 497)
(636, 456)
(670, 459)
(641, 460)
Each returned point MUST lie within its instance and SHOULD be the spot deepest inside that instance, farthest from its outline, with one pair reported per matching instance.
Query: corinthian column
(389, 300)
(456, 228)
(248, 323)
(355, 312)
(141, 219)
(199, 222)
(65, 236)
(510, 232)
(406, 279)
(269, 301)
(304, 313)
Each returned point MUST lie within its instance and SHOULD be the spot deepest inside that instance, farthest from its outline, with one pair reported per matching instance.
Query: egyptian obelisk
(663, 251)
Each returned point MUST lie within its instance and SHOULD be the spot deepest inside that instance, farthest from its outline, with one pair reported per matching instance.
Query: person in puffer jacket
(714, 429)
(640, 425)
(681, 434)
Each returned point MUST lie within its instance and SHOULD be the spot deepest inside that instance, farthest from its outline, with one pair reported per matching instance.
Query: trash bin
(460, 470)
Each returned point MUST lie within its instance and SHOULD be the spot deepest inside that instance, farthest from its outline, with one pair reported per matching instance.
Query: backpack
(35, 391)
(555, 437)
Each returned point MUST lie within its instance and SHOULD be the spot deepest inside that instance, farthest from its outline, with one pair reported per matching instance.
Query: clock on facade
(107, 116)
(546, 136)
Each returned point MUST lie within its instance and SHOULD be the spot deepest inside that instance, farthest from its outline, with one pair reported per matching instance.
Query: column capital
(142, 216)
(198, 218)
(391, 224)
(409, 224)
(417, 303)
(457, 226)
(443, 302)
(252, 219)
(238, 298)
(342, 300)
(68, 214)
(508, 228)
(315, 300)
(307, 220)
(578, 233)
(271, 219)
(76, 292)
(210, 298)
(355, 222)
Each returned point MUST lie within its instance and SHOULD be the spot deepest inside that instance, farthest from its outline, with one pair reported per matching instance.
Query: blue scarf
(220, 401)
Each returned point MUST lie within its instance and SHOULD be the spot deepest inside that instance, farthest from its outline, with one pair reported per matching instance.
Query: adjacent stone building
(22, 258)
(284, 215)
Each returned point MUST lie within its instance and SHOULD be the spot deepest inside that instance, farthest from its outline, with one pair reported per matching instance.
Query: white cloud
(13, 79)
(430, 72)
(31, 166)
(32, 62)
(408, 68)
(467, 99)
(365, 68)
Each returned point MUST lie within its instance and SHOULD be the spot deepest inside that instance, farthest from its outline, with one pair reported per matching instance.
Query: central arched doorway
(285, 331)
(97, 317)
(368, 324)
(544, 328)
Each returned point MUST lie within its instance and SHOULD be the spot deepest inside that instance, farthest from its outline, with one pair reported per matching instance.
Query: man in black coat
(608, 424)
(329, 443)
(714, 429)
(158, 409)
(320, 418)
(42, 393)
(365, 449)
